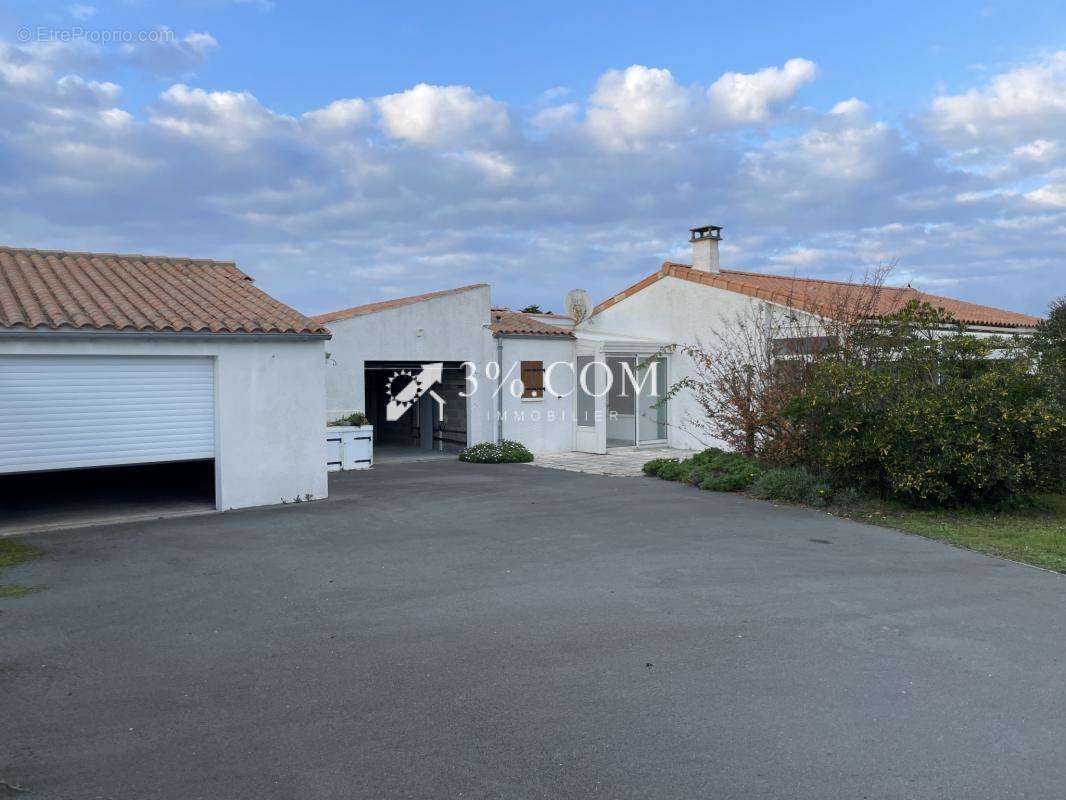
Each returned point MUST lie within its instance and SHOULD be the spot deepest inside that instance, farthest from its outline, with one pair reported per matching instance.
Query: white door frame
(591, 438)
(641, 354)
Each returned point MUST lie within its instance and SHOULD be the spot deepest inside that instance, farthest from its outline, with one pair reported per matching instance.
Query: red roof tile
(52, 289)
(824, 297)
(370, 308)
(515, 323)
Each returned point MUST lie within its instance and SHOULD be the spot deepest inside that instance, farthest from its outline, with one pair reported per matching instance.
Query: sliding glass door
(636, 406)
(651, 401)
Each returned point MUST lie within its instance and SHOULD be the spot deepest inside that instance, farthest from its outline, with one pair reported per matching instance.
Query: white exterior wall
(682, 313)
(269, 408)
(544, 425)
(448, 328)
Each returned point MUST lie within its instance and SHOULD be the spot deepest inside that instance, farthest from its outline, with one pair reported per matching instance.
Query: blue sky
(347, 152)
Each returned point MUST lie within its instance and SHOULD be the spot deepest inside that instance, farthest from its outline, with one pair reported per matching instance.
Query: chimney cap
(706, 232)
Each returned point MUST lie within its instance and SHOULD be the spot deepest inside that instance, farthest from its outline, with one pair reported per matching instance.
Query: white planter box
(349, 447)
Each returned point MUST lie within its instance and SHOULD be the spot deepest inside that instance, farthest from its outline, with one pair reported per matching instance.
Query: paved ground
(445, 630)
(398, 454)
(620, 463)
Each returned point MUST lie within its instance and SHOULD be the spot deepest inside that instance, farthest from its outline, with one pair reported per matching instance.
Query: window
(532, 380)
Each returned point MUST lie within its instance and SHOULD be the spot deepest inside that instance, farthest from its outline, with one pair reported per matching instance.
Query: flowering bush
(504, 452)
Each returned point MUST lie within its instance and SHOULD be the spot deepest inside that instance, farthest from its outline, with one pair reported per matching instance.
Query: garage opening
(86, 438)
(433, 415)
(65, 498)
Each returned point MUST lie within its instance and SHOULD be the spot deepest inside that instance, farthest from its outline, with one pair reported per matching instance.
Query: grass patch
(13, 552)
(14, 590)
(1035, 535)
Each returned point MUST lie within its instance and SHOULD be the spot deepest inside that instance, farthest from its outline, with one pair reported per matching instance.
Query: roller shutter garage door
(66, 412)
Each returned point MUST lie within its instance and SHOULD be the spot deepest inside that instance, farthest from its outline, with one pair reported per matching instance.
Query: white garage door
(63, 412)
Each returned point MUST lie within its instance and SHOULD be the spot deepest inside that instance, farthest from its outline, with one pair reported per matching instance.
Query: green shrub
(819, 494)
(849, 497)
(934, 417)
(789, 485)
(505, 452)
(725, 472)
(711, 469)
(675, 470)
(357, 418)
(652, 467)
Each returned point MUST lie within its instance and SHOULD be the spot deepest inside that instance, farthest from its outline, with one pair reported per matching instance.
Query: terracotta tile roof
(824, 297)
(53, 289)
(370, 308)
(565, 317)
(505, 322)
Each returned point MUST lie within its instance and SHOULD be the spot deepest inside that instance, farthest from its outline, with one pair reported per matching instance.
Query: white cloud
(232, 119)
(82, 11)
(852, 107)
(1053, 193)
(555, 116)
(631, 107)
(751, 98)
(492, 165)
(640, 106)
(98, 94)
(340, 116)
(1020, 105)
(606, 186)
(442, 116)
(170, 55)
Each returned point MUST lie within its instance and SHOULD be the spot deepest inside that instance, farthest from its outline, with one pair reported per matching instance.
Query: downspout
(499, 389)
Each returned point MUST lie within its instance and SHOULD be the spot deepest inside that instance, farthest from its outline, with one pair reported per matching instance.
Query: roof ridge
(761, 286)
(353, 311)
(792, 277)
(128, 256)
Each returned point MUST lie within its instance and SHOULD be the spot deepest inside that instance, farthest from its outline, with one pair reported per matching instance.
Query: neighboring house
(112, 360)
(624, 335)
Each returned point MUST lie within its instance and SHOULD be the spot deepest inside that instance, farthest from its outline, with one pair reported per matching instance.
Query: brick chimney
(705, 248)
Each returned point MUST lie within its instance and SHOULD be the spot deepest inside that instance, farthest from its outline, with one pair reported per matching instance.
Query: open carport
(456, 630)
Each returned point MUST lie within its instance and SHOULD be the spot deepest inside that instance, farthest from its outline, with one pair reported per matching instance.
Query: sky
(347, 153)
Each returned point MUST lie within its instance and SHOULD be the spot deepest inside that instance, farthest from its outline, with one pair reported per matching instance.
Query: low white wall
(269, 408)
(544, 425)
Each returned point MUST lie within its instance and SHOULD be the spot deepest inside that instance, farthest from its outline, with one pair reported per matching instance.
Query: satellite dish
(578, 305)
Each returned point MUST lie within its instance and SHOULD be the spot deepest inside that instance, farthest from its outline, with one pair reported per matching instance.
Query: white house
(110, 360)
(594, 379)
(682, 304)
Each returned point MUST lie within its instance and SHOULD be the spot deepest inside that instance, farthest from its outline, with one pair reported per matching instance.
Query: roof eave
(98, 333)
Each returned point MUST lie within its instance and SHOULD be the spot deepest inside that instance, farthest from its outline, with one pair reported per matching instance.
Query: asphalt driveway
(445, 630)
